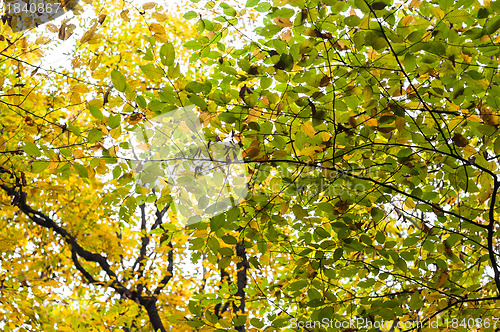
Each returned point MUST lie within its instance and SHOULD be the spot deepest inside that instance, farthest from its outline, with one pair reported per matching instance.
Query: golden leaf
(149, 5)
(309, 129)
(160, 17)
(253, 114)
(489, 117)
(101, 18)
(124, 16)
(286, 35)
(400, 123)
(406, 21)
(284, 207)
(42, 40)
(52, 27)
(88, 35)
(156, 28)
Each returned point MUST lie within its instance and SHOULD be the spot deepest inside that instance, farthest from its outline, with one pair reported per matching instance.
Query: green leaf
(38, 166)
(192, 45)
(94, 135)
(81, 170)
(96, 113)
(230, 11)
(167, 54)
(114, 121)
(493, 25)
(194, 87)
(496, 146)
(198, 101)
(307, 46)
(118, 80)
(213, 244)
(252, 3)
(31, 149)
(257, 323)
(410, 62)
(263, 7)
(190, 15)
(352, 20)
(229, 239)
(141, 102)
(152, 71)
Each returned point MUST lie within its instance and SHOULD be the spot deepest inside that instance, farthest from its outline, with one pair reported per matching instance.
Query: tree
(369, 131)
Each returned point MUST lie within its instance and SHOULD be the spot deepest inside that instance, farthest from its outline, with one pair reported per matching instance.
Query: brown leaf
(29, 121)
(324, 81)
(252, 151)
(459, 140)
(101, 18)
(134, 118)
(283, 22)
(124, 16)
(386, 130)
(341, 206)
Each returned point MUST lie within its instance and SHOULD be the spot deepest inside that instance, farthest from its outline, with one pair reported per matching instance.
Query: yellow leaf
(253, 114)
(101, 168)
(88, 35)
(489, 117)
(402, 140)
(78, 154)
(156, 28)
(406, 21)
(52, 27)
(149, 5)
(42, 40)
(310, 151)
(161, 37)
(371, 122)
(469, 151)
(415, 3)
(309, 129)
(325, 136)
(409, 204)
(80, 88)
(160, 17)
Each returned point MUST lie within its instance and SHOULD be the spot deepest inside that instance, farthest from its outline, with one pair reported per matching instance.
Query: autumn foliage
(368, 136)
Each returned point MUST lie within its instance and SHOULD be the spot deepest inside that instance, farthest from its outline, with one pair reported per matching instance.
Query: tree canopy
(332, 161)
